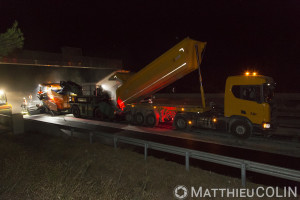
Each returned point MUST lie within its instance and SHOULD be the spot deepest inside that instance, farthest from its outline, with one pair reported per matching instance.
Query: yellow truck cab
(248, 103)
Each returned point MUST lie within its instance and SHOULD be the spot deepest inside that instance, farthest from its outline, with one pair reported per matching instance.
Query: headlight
(266, 125)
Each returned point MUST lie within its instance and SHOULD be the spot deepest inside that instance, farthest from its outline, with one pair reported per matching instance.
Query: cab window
(247, 92)
(268, 92)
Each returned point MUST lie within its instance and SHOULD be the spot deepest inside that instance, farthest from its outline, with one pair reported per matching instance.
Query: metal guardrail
(244, 165)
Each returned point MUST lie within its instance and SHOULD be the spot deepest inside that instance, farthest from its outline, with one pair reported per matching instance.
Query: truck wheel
(128, 117)
(139, 118)
(98, 114)
(241, 129)
(180, 123)
(76, 111)
(150, 120)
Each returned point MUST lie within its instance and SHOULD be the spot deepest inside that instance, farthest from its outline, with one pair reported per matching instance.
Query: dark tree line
(10, 40)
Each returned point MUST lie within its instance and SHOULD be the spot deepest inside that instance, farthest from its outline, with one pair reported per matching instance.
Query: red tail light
(121, 104)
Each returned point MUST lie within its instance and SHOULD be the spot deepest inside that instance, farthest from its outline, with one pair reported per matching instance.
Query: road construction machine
(56, 97)
(5, 108)
(247, 104)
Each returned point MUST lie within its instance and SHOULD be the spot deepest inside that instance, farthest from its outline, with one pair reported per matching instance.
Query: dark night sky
(255, 34)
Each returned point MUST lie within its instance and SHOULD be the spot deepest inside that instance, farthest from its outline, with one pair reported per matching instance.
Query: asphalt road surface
(289, 146)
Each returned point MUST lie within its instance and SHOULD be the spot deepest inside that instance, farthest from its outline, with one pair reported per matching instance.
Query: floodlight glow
(105, 87)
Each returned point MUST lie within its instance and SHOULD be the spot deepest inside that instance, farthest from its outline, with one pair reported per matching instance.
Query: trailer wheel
(139, 118)
(241, 129)
(76, 111)
(180, 123)
(150, 120)
(128, 117)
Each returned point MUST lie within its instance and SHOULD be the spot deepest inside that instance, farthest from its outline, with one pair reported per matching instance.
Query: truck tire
(150, 120)
(99, 114)
(139, 118)
(129, 117)
(241, 129)
(180, 123)
(76, 111)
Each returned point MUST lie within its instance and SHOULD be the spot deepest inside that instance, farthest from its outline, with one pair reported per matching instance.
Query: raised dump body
(166, 69)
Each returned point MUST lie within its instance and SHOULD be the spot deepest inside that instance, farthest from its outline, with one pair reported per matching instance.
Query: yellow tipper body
(169, 67)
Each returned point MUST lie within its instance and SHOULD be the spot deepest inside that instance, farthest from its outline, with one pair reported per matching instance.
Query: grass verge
(36, 166)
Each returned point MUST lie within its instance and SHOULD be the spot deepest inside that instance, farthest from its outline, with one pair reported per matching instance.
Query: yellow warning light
(154, 107)
(247, 73)
(132, 106)
(189, 122)
(214, 120)
(254, 73)
(182, 109)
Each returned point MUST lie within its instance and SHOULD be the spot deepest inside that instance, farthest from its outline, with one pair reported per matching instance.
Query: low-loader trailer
(247, 98)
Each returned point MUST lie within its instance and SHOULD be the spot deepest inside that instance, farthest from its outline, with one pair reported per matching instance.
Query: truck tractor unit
(247, 107)
(247, 104)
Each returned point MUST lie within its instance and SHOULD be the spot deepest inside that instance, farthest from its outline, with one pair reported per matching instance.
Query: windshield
(268, 92)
